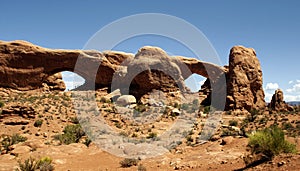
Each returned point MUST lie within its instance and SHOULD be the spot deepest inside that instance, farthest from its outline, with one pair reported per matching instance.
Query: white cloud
(289, 98)
(295, 89)
(268, 96)
(272, 86)
(292, 93)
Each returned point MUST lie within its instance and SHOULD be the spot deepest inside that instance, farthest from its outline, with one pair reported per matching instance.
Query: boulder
(20, 149)
(115, 93)
(126, 100)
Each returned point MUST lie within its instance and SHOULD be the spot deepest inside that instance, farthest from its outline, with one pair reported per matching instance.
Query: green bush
(28, 165)
(141, 108)
(31, 164)
(141, 168)
(127, 162)
(185, 106)
(233, 123)
(74, 120)
(1, 103)
(189, 138)
(152, 135)
(208, 109)
(253, 115)
(38, 123)
(72, 134)
(287, 126)
(270, 142)
(7, 141)
(105, 100)
(45, 164)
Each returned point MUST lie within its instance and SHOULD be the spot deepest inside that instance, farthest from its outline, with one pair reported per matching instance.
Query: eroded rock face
(24, 66)
(244, 86)
(277, 103)
(151, 68)
(54, 82)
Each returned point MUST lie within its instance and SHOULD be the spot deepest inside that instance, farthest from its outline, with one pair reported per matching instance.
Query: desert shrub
(233, 123)
(141, 108)
(45, 164)
(270, 142)
(141, 168)
(195, 102)
(253, 115)
(228, 132)
(123, 133)
(1, 103)
(105, 100)
(17, 138)
(31, 164)
(32, 99)
(287, 126)
(208, 109)
(176, 105)
(38, 123)
(185, 106)
(152, 135)
(127, 162)
(74, 120)
(189, 138)
(65, 97)
(7, 141)
(72, 134)
(263, 121)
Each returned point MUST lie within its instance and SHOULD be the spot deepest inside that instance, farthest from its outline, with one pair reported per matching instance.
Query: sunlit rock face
(24, 66)
(244, 85)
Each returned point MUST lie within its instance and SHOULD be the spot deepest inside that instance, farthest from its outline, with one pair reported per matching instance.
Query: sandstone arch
(25, 66)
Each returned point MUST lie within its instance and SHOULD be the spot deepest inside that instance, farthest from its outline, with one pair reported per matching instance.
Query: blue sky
(272, 28)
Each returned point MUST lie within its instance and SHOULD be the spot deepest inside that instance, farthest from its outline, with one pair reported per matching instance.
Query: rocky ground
(41, 117)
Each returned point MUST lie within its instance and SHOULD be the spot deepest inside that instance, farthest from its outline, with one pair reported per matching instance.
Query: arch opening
(72, 80)
(194, 82)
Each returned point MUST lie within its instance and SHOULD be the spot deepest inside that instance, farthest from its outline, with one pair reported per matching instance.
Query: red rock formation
(25, 66)
(278, 104)
(244, 86)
